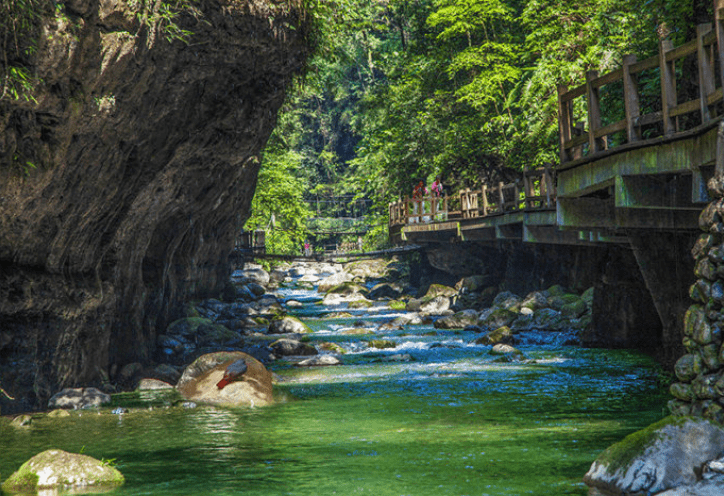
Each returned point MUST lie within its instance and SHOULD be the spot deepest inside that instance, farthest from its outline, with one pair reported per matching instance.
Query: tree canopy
(407, 90)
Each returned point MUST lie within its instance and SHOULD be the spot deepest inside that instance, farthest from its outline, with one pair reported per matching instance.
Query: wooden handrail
(709, 52)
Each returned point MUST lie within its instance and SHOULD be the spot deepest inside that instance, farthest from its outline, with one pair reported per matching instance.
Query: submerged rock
(319, 361)
(199, 381)
(57, 469)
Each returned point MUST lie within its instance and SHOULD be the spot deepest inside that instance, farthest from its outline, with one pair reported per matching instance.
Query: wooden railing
(535, 191)
(594, 132)
(597, 132)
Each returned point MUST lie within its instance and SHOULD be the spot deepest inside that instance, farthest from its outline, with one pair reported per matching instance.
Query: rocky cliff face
(123, 186)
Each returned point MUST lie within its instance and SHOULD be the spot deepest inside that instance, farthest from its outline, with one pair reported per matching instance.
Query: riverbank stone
(665, 455)
(78, 398)
(57, 469)
(198, 382)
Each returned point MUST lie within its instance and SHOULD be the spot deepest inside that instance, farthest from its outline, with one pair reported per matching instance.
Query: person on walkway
(437, 192)
(436, 187)
(307, 249)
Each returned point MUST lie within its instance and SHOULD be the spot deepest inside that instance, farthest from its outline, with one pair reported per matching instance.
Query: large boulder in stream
(199, 381)
(665, 455)
(59, 470)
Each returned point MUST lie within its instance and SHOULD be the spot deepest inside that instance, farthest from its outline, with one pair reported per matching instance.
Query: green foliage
(278, 204)
(19, 38)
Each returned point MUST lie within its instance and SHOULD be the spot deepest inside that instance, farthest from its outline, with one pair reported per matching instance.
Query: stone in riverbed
(78, 398)
(458, 320)
(500, 335)
(198, 382)
(288, 325)
(663, 456)
(319, 361)
(292, 347)
(57, 469)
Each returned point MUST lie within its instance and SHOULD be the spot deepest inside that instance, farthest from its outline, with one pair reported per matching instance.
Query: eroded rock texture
(145, 154)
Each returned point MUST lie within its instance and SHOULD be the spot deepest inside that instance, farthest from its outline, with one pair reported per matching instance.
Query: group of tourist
(421, 190)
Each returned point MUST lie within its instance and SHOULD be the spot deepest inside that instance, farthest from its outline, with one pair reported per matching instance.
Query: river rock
(435, 306)
(292, 347)
(78, 398)
(288, 325)
(701, 488)
(385, 290)
(367, 269)
(472, 284)
(457, 321)
(534, 301)
(198, 382)
(500, 335)
(57, 469)
(329, 282)
(254, 275)
(21, 421)
(508, 301)
(663, 456)
(505, 349)
(497, 317)
(319, 361)
(440, 290)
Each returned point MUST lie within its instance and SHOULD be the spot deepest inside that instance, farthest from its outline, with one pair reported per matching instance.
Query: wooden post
(594, 114)
(706, 71)
(668, 87)
(549, 186)
(484, 191)
(527, 188)
(501, 198)
(631, 99)
(719, 26)
(565, 119)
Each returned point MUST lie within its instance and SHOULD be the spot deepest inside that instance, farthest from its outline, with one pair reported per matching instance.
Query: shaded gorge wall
(144, 155)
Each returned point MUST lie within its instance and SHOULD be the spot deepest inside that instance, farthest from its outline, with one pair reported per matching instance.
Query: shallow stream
(435, 415)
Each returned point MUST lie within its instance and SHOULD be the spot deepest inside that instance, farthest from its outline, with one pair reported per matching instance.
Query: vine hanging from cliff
(19, 38)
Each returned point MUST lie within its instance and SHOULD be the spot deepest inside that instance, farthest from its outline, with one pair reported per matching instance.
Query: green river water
(451, 421)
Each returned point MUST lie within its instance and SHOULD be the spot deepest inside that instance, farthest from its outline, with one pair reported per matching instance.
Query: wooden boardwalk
(645, 170)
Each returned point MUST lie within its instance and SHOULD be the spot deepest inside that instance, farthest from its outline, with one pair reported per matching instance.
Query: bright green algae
(448, 422)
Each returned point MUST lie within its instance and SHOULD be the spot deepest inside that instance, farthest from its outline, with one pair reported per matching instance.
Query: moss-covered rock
(348, 288)
(381, 344)
(459, 320)
(498, 318)
(499, 335)
(687, 367)
(574, 309)
(657, 458)
(332, 347)
(440, 290)
(361, 303)
(57, 469)
(397, 305)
